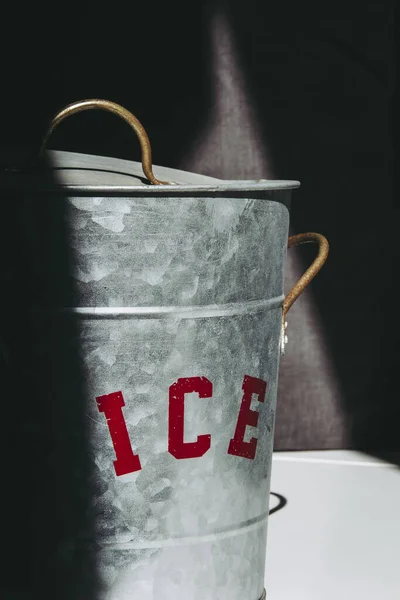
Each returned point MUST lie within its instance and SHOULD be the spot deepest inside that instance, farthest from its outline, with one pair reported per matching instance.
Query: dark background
(297, 90)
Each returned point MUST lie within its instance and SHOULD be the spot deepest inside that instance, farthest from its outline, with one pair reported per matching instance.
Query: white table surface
(338, 537)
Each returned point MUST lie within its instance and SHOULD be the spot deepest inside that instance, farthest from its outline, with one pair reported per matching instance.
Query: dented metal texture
(174, 282)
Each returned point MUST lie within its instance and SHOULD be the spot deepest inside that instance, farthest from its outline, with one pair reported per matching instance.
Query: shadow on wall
(155, 63)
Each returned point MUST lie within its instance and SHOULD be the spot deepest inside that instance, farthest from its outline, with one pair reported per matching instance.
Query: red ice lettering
(237, 445)
(111, 405)
(176, 445)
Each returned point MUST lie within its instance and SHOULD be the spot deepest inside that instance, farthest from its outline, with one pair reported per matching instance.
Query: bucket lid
(87, 173)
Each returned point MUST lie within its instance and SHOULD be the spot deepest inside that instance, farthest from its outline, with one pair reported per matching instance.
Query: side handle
(300, 286)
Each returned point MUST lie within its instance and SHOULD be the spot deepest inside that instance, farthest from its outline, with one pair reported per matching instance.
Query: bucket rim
(71, 164)
(231, 186)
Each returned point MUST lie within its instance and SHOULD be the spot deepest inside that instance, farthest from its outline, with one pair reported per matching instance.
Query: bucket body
(179, 311)
(180, 321)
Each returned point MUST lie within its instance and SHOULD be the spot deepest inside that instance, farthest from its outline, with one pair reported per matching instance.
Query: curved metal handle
(122, 112)
(300, 286)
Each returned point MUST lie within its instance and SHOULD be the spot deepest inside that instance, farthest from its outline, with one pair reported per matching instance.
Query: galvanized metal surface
(175, 287)
(193, 527)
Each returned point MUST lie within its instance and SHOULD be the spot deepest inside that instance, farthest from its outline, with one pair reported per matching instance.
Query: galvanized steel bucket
(182, 322)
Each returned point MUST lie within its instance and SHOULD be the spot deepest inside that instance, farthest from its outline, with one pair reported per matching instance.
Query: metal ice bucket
(181, 317)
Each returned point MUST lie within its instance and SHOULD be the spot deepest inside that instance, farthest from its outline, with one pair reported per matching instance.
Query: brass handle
(300, 286)
(122, 112)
